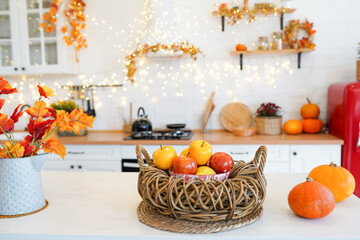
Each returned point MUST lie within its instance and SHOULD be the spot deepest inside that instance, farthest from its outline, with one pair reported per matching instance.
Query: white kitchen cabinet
(277, 155)
(25, 48)
(303, 158)
(86, 158)
(280, 158)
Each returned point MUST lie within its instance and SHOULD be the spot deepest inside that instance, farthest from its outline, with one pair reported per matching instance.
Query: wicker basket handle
(140, 152)
(260, 158)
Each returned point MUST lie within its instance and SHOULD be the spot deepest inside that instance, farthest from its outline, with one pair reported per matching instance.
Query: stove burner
(161, 135)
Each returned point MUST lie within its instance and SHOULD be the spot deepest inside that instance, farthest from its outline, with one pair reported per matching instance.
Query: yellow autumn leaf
(54, 145)
(16, 150)
(38, 110)
(45, 91)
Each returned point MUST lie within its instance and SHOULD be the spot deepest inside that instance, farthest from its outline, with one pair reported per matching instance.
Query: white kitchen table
(90, 205)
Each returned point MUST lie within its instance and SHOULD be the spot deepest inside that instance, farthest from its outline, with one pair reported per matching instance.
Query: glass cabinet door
(6, 52)
(41, 45)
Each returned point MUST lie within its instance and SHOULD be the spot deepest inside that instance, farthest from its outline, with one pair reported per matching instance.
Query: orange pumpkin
(240, 47)
(338, 179)
(311, 199)
(293, 127)
(310, 110)
(312, 125)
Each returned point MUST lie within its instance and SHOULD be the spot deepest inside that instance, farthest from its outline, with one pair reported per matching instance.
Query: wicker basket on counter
(268, 125)
(199, 200)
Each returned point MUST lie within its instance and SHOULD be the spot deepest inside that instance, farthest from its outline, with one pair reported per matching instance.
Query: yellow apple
(205, 170)
(184, 152)
(164, 156)
(200, 151)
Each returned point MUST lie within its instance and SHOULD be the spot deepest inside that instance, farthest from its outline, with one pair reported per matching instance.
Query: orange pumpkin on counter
(293, 127)
(310, 110)
(338, 179)
(312, 125)
(311, 199)
(240, 47)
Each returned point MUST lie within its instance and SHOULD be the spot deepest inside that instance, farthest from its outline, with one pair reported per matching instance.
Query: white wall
(337, 24)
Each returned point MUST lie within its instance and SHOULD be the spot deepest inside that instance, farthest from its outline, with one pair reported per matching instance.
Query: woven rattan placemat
(149, 216)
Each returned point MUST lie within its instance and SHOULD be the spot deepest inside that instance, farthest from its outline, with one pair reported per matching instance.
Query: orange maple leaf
(75, 121)
(15, 150)
(45, 91)
(80, 120)
(6, 125)
(54, 145)
(5, 87)
(3, 153)
(38, 111)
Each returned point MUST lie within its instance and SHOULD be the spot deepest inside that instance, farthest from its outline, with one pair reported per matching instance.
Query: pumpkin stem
(332, 164)
(309, 179)
(308, 100)
(188, 154)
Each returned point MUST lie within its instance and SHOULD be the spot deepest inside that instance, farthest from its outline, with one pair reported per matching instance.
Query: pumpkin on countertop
(338, 179)
(311, 199)
(312, 125)
(310, 110)
(293, 127)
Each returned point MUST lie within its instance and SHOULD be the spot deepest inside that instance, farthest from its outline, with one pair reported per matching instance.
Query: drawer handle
(239, 153)
(76, 152)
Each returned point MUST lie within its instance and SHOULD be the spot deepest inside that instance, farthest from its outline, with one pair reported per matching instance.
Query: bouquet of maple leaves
(43, 123)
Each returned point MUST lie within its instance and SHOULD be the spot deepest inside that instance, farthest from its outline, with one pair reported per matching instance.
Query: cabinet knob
(79, 166)
(294, 153)
(71, 166)
(23, 68)
(16, 69)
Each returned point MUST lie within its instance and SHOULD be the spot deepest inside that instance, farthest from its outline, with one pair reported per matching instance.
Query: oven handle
(130, 165)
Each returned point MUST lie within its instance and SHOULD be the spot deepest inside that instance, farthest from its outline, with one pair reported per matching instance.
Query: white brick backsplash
(336, 22)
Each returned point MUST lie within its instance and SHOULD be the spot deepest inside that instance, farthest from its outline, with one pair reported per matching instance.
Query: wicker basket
(204, 201)
(269, 125)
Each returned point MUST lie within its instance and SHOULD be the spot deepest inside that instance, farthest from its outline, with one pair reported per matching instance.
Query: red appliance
(343, 119)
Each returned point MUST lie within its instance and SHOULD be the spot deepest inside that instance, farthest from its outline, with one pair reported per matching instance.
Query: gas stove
(177, 134)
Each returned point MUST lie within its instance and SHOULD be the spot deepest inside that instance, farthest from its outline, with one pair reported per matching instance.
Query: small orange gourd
(311, 199)
(293, 127)
(310, 110)
(338, 179)
(312, 125)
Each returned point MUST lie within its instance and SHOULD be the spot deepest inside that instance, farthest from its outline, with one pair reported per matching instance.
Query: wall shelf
(275, 11)
(286, 51)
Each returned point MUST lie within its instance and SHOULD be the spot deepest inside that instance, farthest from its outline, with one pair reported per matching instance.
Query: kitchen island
(93, 206)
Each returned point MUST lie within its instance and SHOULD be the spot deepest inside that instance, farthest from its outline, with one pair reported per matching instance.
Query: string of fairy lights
(157, 79)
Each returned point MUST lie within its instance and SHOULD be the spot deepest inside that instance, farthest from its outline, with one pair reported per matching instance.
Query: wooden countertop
(102, 206)
(116, 137)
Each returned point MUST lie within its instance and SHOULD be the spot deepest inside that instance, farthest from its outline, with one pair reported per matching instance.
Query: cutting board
(235, 114)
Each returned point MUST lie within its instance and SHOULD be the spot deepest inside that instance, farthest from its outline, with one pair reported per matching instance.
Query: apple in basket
(200, 151)
(221, 162)
(184, 165)
(164, 157)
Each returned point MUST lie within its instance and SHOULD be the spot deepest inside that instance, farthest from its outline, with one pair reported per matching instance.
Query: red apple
(221, 162)
(185, 165)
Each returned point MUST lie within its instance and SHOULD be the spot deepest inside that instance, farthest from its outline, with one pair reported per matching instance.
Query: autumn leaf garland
(75, 18)
(42, 126)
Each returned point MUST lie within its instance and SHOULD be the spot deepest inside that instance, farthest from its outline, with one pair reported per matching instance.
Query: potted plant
(21, 190)
(268, 119)
(68, 106)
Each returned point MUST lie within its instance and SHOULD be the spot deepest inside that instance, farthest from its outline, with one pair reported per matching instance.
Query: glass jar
(277, 41)
(263, 43)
